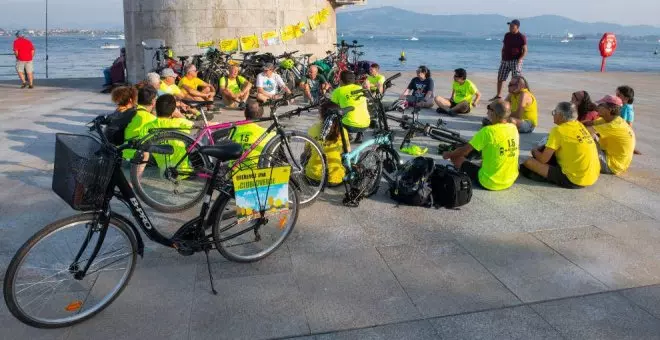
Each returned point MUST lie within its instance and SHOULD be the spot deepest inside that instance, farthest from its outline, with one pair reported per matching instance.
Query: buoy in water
(403, 56)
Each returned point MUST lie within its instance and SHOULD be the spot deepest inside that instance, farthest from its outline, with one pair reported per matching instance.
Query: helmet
(399, 105)
(287, 64)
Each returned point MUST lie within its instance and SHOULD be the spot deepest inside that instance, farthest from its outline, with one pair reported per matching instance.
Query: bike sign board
(264, 189)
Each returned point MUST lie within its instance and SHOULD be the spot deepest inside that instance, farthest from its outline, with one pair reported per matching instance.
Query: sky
(109, 13)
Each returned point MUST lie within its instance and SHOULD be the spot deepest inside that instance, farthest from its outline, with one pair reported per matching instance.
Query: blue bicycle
(373, 158)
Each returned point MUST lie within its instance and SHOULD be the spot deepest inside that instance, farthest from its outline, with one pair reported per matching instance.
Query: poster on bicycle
(259, 190)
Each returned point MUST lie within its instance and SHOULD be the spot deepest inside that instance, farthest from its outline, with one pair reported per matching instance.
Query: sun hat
(609, 99)
(168, 72)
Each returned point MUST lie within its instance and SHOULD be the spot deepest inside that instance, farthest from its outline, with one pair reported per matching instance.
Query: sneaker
(441, 110)
(31, 86)
(24, 85)
(494, 98)
(358, 138)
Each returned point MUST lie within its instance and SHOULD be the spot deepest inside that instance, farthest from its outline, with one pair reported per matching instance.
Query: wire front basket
(83, 170)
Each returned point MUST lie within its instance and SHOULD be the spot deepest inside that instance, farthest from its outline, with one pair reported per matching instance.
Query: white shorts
(24, 66)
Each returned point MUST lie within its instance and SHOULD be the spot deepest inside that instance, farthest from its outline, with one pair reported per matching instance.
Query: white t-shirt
(272, 85)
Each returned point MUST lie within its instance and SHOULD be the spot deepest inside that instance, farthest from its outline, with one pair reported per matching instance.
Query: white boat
(569, 35)
(121, 37)
(565, 40)
(489, 39)
(371, 37)
(109, 47)
(413, 39)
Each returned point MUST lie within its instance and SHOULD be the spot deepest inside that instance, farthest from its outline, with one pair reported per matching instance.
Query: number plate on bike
(261, 190)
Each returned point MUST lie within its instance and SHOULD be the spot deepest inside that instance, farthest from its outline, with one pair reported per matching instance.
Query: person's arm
(190, 90)
(462, 151)
(545, 156)
(477, 98)
(524, 48)
(429, 91)
(280, 83)
(246, 87)
(381, 85)
(407, 91)
(503, 46)
(521, 108)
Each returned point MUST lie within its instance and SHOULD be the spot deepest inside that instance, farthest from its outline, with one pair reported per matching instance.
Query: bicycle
(373, 158)
(178, 182)
(75, 267)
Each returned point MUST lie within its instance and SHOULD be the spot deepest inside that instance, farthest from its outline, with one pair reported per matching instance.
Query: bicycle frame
(350, 158)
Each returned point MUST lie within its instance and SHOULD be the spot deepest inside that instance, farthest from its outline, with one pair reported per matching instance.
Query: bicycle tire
(289, 79)
(273, 155)
(367, 181)
(391, 162)
(228, 213)
(10, 285)
(200, 165)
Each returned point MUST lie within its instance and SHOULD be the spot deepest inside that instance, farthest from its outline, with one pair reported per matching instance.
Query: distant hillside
(392, 20)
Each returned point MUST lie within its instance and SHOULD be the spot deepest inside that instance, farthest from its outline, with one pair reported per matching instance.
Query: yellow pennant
(249, 42)
(288, 33)
(205, 44)
(301, 28)
(270, 38)
(228, 45)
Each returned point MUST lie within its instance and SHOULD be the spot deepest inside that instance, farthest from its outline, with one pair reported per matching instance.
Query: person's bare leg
(500, 84)
(308, 92)
(427, 104)
(537, 167)
(31, 78)
(461, 108)
(457, 161)
(21, 75)
(442, 102)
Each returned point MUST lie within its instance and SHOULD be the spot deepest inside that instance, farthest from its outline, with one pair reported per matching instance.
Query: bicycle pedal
(183, 248)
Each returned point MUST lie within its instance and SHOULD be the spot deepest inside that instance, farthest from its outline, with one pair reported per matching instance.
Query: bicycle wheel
(252, 240)
(390, 162)
(301, 148)
(367, 174)
(172, 183)
(289, 79)
(40, 289)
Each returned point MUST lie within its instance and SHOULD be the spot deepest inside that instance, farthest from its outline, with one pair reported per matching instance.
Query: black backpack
(451, 188)
(116, 123)
(412, 185)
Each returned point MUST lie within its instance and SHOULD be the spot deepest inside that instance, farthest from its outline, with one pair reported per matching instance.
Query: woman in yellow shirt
(332, 148)
(524, 108)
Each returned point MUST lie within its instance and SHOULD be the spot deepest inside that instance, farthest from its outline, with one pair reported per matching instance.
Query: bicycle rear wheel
(172, 183)
(252, 240)
(367, 174)
(301, 148)
(390, 162)
(40, 288)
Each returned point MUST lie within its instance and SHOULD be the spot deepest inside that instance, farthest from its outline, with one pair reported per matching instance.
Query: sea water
(82, 56)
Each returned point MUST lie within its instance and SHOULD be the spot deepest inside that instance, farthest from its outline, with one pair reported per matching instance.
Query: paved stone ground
(532, 262)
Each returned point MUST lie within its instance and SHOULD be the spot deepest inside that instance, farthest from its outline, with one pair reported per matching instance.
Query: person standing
(24, 52)
(514, 51)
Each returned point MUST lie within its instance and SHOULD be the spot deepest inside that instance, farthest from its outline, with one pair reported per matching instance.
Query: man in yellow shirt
(146, 101)
(168, 84)
(358, 120)
(194, 88)
(524, 108)
(499, 146)
(569, 159)
(375, 81)
(248, 134)
(235, 89)
(464, 95)
(616, 139)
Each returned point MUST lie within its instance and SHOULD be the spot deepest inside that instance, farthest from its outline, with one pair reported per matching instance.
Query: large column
(183, 23)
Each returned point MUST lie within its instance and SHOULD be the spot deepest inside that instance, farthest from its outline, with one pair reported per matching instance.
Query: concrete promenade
(531, 262)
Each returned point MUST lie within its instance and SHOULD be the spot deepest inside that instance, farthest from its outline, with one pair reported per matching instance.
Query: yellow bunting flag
(301, 28)
(270, 38)
(249, 42)
(288, 33)
(205, 44)
(324, 14)
(228, 45)
(314, 21)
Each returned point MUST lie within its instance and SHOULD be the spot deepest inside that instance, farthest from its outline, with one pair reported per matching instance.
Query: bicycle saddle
(196, 104)
(223, 151)
(308, 55)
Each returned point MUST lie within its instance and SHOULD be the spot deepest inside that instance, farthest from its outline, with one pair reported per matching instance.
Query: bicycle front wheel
(367, 172)
(40, 286)
(172, 183)
(255, 239)
(390, 163)
(296, 149)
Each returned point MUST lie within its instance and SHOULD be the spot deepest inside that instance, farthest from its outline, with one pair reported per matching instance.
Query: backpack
(238, 81)
(116, 123)
(451, 188)
(412, 185)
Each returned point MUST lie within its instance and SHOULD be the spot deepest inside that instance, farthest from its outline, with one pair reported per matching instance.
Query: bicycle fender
(129, 223)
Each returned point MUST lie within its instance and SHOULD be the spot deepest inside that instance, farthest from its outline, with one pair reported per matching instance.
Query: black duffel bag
(451, 188)
(412, 185)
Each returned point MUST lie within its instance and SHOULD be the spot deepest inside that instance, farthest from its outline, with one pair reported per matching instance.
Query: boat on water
(565, 40)
(413, 39)
(489, 39)
(109, 47)
(121, 37)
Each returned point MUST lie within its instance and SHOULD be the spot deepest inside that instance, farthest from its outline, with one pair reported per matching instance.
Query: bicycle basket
(82, 171)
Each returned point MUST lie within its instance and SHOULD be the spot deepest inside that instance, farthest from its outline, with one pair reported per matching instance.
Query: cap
(609, 99)
(168, 72)
(514, 22)
(19, 33)
(269, 66)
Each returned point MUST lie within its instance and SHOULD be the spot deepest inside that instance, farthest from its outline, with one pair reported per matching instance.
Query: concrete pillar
(183, 23)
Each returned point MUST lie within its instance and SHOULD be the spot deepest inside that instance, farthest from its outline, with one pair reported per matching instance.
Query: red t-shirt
(24, 48)
(513, 46)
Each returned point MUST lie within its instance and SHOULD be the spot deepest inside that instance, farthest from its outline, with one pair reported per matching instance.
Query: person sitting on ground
(586, 109)
(464, 95)
(270, 84)
(247, 134)
(499, 146)
(627, 96)
(615, 138)
(375, 81)
(235, 89)
(153, 79)
(332, 148)
(125, 97)
(146, 100)
(420, 89)
(358, 120)
(168, 84)
(569, 158)
(314, 85)
(194, 88)
(116, 73)
(524, 108)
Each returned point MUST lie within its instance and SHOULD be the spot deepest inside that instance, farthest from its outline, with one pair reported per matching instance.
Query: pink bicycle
(173, 183)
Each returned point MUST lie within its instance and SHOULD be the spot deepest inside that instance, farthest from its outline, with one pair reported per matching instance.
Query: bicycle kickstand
(208, 265)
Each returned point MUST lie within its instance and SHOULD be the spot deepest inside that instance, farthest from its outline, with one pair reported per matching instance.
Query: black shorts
(555, 176)
(472, 170)
(453, 104)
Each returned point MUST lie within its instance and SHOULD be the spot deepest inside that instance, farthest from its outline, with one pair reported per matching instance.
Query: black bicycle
(73, 268)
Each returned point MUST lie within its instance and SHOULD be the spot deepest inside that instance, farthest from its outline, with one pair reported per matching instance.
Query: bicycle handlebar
(287, 54)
